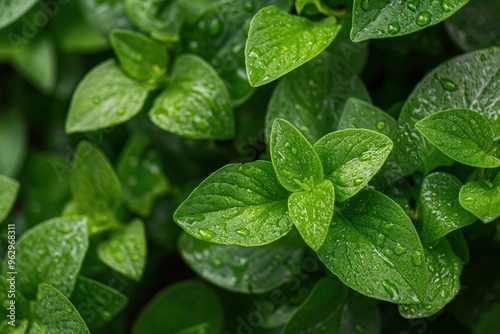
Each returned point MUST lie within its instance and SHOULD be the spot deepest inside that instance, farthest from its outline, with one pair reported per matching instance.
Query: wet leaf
(125, 250)
(105, 97)
(482, 199)
(463, 135)
(351, 158)
(56, 313)
(373, 247)
(279, 42)
(443, 281)
(389, 18)
(296, 163)
(240, 204)
(10, 11)
(13, 144)
(311, 212)
(51, 252)
(195, 103)
(441, 210)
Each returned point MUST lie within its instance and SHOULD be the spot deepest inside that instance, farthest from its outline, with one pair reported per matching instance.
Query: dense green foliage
(249, 166)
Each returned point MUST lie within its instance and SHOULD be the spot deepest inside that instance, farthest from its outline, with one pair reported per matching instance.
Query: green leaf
(482, 199)
(140, 57)
(279, 42)
(202, 303)
(373, 247)
(332, 308)
(475, 26)
(441, 210)
(351, 158)
(243, 269)
(36, 61)
(219, 35)
(140, 170)
(311, 212)
(21, 327)
(163, 19)
(312, 97)
(238, 204)
(105, 97)
(56, 312)
(390, 18)
(56, 248)
(467, 81)
(202, 328)
(463, 135)
(94, 186)
(361, 114)
(13, 143)
(296, 163)
(125, 250)
(11, 10)
(97, 303)
(443, 281)
(196, 103)
(8, 193)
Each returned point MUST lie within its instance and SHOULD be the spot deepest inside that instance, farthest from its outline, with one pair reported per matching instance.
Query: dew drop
(446, 6)
(470, 199)
(135, 258)
(393, 28)
(391, 290)
(68, 308)
(118, 258)
(365, 156)
(417, 258)
(365, 5)
(380, 125)
(243, 232)
(222, 227)
(96, 100)
(413, 5)
(386, 227)
(358, 181)
(206, 234)
(398, 250)
(448, 85)
(424, 18)
(120, 112)
(428, 307)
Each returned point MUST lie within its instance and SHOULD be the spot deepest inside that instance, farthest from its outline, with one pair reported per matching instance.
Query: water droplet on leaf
(358, 181)
(398, 250)
(380, 125)
(448, 85)
(413, 5)
(393, 28)
(417, 258)
(243, 232)
(391, 290)
(120, 112)
(446, 6)
(381, 240)
(68, 308)
(424, 18)
(96, 100)
(365, 5)
(206, 234)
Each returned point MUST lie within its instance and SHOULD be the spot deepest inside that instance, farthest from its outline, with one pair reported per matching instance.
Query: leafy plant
(308, 166)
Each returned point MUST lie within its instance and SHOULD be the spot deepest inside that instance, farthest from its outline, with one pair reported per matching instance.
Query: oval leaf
(351, 158)
(312, 211)
(56, 312)
(296, 163)
(13, 144)
(482, 199)
(187, 304)
(373, 247)
(10, 11)
(443, 281)
(125, 250)
(196, 103)
(461, 134)
(140, 57)
(279, 42)
(243, 269)
(441, 210)
(332, 308)
(389, 18)
(56, 248)
(312, 97)
(105, 97)
(238, 204)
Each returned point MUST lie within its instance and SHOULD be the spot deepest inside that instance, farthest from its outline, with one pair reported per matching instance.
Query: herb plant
(234, 166)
